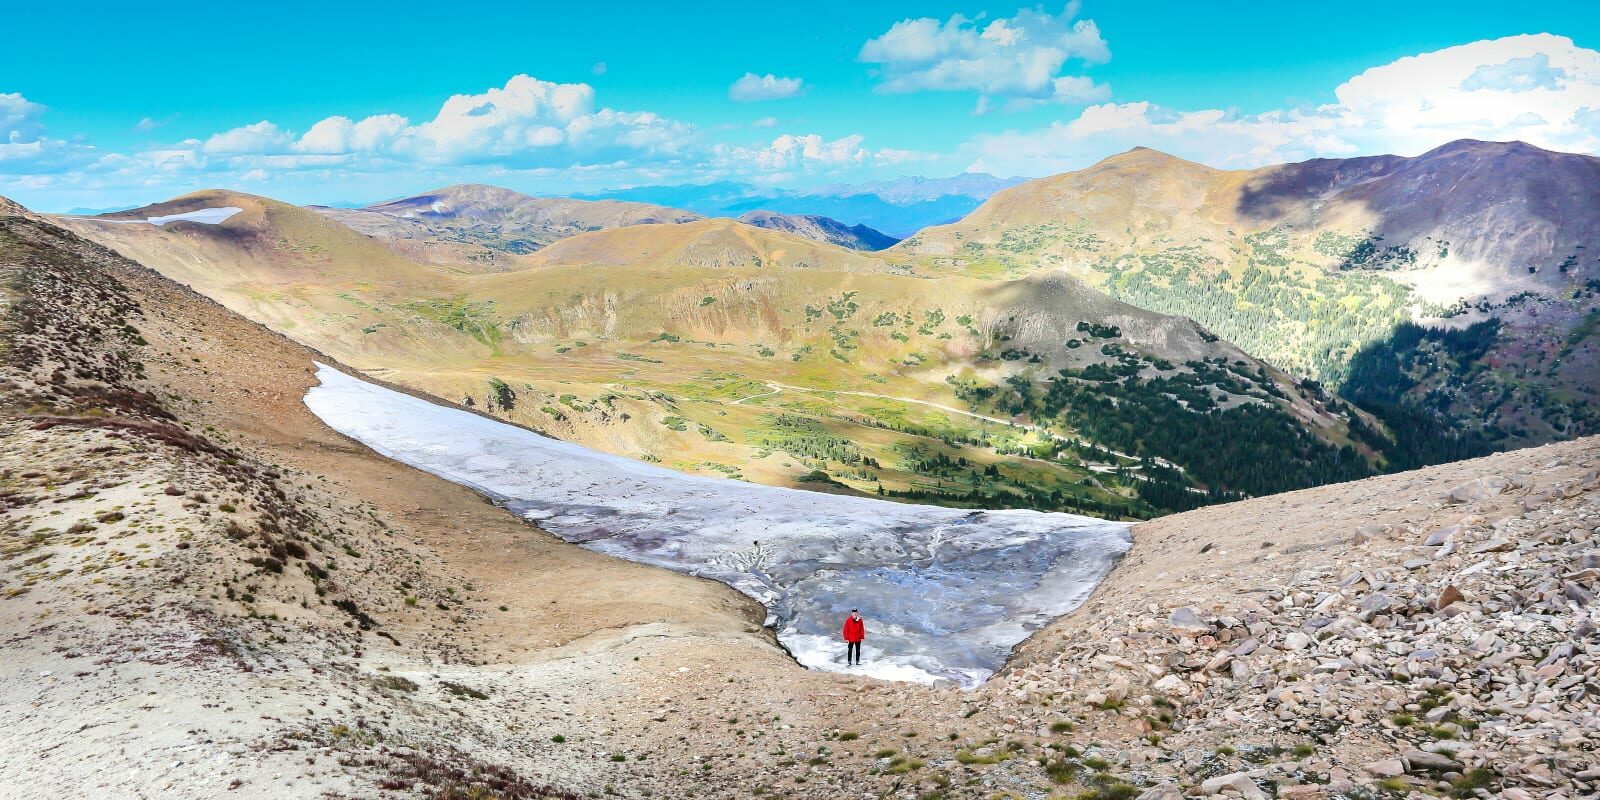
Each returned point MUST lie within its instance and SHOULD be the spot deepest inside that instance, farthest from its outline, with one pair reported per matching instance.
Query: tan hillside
(204, 592)
(707, 243)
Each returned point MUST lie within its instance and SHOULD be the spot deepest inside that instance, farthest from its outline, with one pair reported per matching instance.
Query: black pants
(852, 652)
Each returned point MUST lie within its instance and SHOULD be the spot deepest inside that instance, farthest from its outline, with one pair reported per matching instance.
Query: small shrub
(1396, 785)
(395, 683)
(463, 691)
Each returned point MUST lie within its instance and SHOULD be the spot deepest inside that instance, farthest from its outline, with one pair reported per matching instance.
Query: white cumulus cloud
(526, 123)
(811, 153)
(19, 119)
(24, 147)
(1542, 89)
(1017, 60)
(752, 87)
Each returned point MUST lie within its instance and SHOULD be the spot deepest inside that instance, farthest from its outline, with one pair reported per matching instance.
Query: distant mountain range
(489, 228)
(899, 207)
(820, 228)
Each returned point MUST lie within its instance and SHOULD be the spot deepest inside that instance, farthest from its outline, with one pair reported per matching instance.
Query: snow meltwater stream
(947, 593)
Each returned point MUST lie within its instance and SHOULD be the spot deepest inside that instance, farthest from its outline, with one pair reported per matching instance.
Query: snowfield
(947, 593)
(206, 216)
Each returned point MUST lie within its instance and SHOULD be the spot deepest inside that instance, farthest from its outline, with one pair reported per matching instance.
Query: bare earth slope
(252, 631)
(183, 540)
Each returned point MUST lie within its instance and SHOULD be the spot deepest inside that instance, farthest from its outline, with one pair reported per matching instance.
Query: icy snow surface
(208, 216)
(946, 592)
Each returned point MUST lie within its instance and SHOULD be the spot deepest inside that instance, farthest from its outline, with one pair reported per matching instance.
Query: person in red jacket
(855, 630)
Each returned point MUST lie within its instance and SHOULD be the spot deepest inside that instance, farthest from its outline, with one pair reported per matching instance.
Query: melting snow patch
(947, 593)
(207, 216)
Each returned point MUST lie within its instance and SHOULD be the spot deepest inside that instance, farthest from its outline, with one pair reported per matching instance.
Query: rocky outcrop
(1454, 649)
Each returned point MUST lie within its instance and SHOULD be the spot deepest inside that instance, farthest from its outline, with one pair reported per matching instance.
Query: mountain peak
(1145, 157)
(1490, 149)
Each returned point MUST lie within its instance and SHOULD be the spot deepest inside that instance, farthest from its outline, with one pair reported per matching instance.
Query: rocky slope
(1439, 637)
(203, 591)
(820, 228)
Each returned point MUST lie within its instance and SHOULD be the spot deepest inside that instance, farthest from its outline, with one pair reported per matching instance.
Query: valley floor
(206, 592)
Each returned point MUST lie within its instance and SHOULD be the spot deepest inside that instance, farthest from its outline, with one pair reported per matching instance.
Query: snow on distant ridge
(947, 592)
(207, 216)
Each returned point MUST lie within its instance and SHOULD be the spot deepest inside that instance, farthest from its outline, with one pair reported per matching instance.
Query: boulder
(1165, 791)
(1424, 761)
(1172, 685)
(1441, 536)
(1237, 781)
(1387, 768)
(1304, 791)
(1450, 594)
(1480, 489)
(1187, 623)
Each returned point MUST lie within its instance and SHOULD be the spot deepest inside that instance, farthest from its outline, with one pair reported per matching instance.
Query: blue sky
(331, 102)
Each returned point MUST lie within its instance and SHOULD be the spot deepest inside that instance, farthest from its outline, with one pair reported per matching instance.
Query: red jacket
(854, 629)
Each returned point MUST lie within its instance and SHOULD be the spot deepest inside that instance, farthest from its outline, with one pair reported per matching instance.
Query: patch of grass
(1396, 785)
(901, 766)
(395, 683)
(969, 757)
(1471, 781)
(1060, 727)
(1061, 770)
(463, 691)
